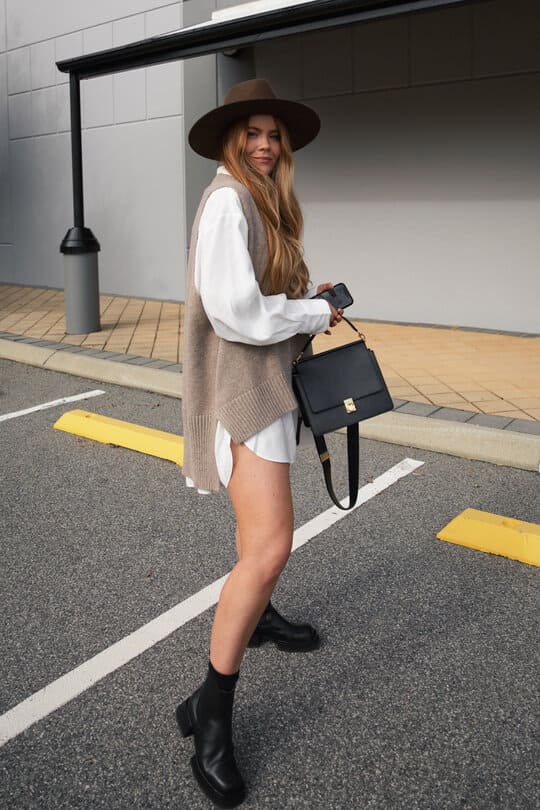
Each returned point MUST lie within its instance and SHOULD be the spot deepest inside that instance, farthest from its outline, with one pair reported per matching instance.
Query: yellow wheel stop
(495, 534)
(123, 434)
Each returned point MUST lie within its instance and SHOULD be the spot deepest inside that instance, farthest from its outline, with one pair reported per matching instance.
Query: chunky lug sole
(186, 723)
(260, 637)
(184, 719)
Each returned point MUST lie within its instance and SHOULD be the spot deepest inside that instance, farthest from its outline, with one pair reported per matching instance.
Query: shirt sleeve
(226, 282)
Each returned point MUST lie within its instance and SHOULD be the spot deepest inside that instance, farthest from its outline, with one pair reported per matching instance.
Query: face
(263, 145)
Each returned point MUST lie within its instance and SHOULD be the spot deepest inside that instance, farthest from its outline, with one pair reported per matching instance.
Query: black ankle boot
(207, 714)
(284, 634)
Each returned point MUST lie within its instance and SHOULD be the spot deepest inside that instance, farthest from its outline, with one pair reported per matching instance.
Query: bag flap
(347, 372)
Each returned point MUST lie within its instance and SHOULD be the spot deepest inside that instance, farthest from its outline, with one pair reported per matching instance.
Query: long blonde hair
(274, 196)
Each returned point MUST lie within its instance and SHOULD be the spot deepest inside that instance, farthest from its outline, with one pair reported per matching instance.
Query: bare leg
(260, 494)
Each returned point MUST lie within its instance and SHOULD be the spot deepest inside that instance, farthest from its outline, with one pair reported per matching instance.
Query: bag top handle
(360, 336)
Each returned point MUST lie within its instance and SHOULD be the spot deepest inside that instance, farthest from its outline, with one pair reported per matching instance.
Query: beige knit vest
(244, 387)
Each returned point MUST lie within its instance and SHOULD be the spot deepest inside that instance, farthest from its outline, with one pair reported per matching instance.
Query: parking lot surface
(424, 693)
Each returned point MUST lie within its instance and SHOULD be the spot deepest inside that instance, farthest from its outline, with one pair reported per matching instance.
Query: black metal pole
(79, 246)
(78, 239)
(76, 149)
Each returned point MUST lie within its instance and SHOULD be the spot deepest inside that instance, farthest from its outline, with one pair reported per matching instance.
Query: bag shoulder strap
(353, 458)
(353, 449)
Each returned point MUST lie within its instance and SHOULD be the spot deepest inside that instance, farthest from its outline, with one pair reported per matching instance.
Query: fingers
(326, 286)
(335, 315)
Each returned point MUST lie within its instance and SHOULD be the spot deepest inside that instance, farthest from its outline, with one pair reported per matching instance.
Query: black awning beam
(212, 37)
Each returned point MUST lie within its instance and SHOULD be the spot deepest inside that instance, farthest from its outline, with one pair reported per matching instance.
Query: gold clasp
(350, 407)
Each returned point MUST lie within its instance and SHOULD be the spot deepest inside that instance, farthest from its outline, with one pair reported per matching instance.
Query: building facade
(422, 191)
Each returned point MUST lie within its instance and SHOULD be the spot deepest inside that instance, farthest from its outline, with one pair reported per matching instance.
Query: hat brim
(206, 135)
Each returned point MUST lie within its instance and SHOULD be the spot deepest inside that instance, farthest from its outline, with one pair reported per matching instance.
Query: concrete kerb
(504, 447)
(156, 380)
(476, 442)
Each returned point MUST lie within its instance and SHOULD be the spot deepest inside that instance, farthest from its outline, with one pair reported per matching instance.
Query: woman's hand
(335, 317)
(335, 313)
(326, 286)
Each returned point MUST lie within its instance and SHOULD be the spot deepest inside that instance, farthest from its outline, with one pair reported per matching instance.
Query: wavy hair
(274, 196)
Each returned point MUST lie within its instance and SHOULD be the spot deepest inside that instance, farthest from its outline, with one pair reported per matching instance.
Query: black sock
(226, 682)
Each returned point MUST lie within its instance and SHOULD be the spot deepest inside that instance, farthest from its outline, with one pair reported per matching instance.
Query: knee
(274, 563)
(270, 563)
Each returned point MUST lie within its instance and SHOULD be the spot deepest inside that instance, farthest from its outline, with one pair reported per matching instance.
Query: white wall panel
(99, 38)
(2, 25)
(164, 20)
(20, 115)
(97, 94)
(66, 48)
(41, 194)
(31, 21)
(63, 108)
(129, 96)
(129, 88)
(97, 102)
(135, 207)
(164, 88)
(5, 211)
(130, 29)
(44, 111)
(19, 75)
(164, 83)
(42, 64)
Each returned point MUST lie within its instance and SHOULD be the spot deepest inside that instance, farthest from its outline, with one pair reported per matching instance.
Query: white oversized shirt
(239, 312)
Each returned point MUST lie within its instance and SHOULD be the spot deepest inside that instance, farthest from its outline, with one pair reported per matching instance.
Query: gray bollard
(81, 281)
(81, 291)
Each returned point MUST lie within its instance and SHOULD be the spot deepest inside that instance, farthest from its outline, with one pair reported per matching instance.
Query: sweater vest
(244, 387)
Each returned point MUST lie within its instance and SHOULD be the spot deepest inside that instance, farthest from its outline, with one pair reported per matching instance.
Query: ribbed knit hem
(199, 457)
(256, 409)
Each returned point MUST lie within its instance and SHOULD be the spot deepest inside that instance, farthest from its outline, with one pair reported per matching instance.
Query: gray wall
(133, 147)
(422, 191)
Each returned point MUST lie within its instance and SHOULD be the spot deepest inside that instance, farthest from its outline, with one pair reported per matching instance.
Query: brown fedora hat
(254, 97)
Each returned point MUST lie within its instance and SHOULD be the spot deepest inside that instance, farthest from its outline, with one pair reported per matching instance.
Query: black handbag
(335, 389)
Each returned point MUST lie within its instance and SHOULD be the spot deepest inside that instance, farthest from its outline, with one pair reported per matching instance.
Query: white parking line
(52, 404)
(326, 519)
(73, 683)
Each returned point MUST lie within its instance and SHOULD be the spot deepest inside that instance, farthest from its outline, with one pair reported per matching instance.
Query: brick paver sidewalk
(484, 372)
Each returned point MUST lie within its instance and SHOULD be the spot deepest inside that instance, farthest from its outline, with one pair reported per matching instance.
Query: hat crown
(252, 97)
(252, 90)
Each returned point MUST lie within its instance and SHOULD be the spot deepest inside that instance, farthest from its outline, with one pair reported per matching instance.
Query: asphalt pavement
(424, 693)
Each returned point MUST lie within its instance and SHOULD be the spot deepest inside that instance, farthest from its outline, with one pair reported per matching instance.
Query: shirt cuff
(318, 316)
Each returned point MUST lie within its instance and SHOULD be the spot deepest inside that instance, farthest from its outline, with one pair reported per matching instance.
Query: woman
(246, 319)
